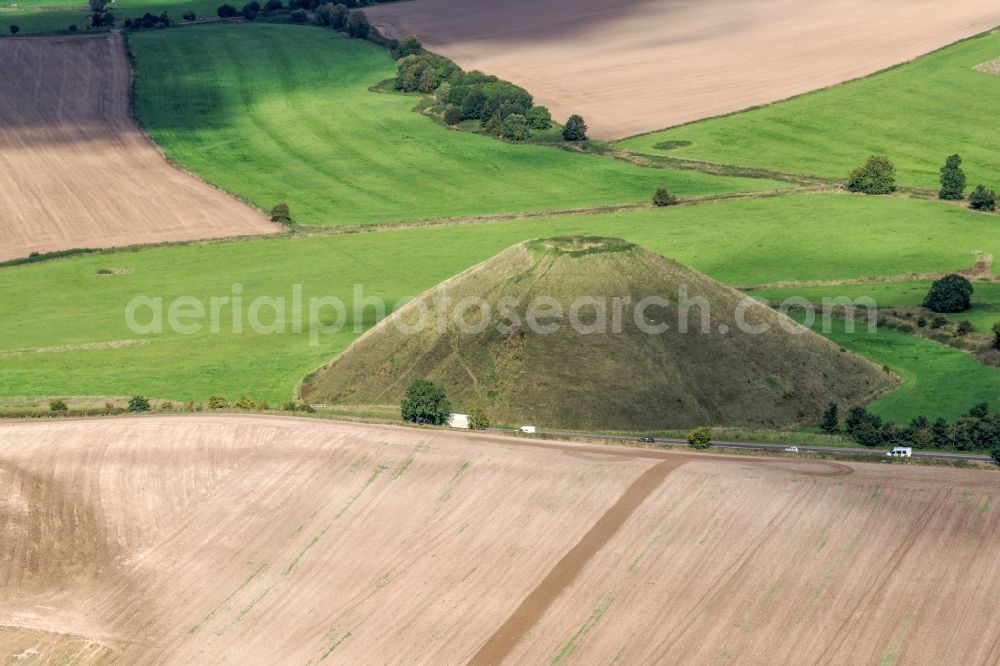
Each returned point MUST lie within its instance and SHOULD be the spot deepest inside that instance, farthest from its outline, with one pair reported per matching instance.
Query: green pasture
(917, 114)
(66, 303)
(282, 113)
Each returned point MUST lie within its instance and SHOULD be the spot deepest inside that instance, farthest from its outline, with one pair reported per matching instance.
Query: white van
(901, 452)
(528, 429)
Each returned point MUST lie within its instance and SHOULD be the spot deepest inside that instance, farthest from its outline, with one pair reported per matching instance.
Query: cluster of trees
(977, 430)
(502, 108)
(878, 176)
(340, 17)
(100, 15)
(953, 187)
(147, 21)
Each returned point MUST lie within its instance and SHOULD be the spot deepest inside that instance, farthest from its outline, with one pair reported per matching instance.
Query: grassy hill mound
(614, 359)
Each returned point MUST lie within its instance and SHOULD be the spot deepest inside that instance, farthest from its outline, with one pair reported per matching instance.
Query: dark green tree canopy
(952, 293)
(952, 179)
(575, 129)
(983, 199)
(876, 176)
(425, 402)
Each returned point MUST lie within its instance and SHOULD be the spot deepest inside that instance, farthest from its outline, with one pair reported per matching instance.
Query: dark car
(647, 440)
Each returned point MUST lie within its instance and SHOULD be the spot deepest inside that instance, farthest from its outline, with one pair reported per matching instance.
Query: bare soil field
(75, 170)
(639, 65)
(231, 540)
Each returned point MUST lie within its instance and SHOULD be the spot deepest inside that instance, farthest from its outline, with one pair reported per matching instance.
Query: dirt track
(75, 171)
(639, 65)
(269, 540)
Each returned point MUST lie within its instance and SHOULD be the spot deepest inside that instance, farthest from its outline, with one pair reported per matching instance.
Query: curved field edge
(281, 113)
(65, 304)
(929, 108)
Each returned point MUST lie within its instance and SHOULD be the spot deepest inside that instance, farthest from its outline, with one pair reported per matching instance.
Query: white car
(901, 452)
(528, 429)
(792, 449)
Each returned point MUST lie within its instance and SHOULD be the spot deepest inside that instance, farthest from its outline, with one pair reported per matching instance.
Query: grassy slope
(64, 302)
(41, 16)
(925, 110)
(283, 113)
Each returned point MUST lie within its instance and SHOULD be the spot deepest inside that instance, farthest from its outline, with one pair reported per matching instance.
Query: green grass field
(284, 113)
(917, 114)
(65, 302)
(46, 16)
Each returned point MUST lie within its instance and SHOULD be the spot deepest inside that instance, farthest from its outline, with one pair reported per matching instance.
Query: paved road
(836, 450)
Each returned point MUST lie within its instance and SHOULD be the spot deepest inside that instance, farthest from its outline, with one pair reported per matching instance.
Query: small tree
(425, 402)
(478, 420)
(227, 11)
(831, 419)
(189, 15)
(138, 404)
(983, 199)
(281, 213)
(965, 327)
(663, 198)
(58, 406)
(575, 129)
(357, 25)
(940, 433)
(539, 118)
(245, 403)
(952, 293)
(409, 45)
(14, 29)
(876, 176)
(700, 438)
(515, 128)
(952, 179)
(217, 402)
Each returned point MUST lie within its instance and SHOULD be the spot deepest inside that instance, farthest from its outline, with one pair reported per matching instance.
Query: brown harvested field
(75, 170)
(231, 540)
(635, 66)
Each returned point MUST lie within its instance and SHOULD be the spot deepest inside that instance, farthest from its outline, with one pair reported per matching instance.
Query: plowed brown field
(75, 171)
(634, 66)
(237, 540)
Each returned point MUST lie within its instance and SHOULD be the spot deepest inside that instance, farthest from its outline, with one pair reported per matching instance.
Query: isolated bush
(996, 335)
(306, 408)
(299, 16)
(72, 27)
(227, 11)
(952, 179)
(244, 403)
(952, 293)
(138, 404)
(453, 115)
(830, 422)
(515, 128)
(939, 322)
(425, 402)
(58, 406)
(876, 176)
(218, 402)
(290, 406)
(357, 25)
(965, 327)
(281, 213)
(921, 321)
(700, 438)
(663, 198)
(983, 199)
(539, 118)
(14, 29)
(575, 129)
(478, 420)
(189, 15)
